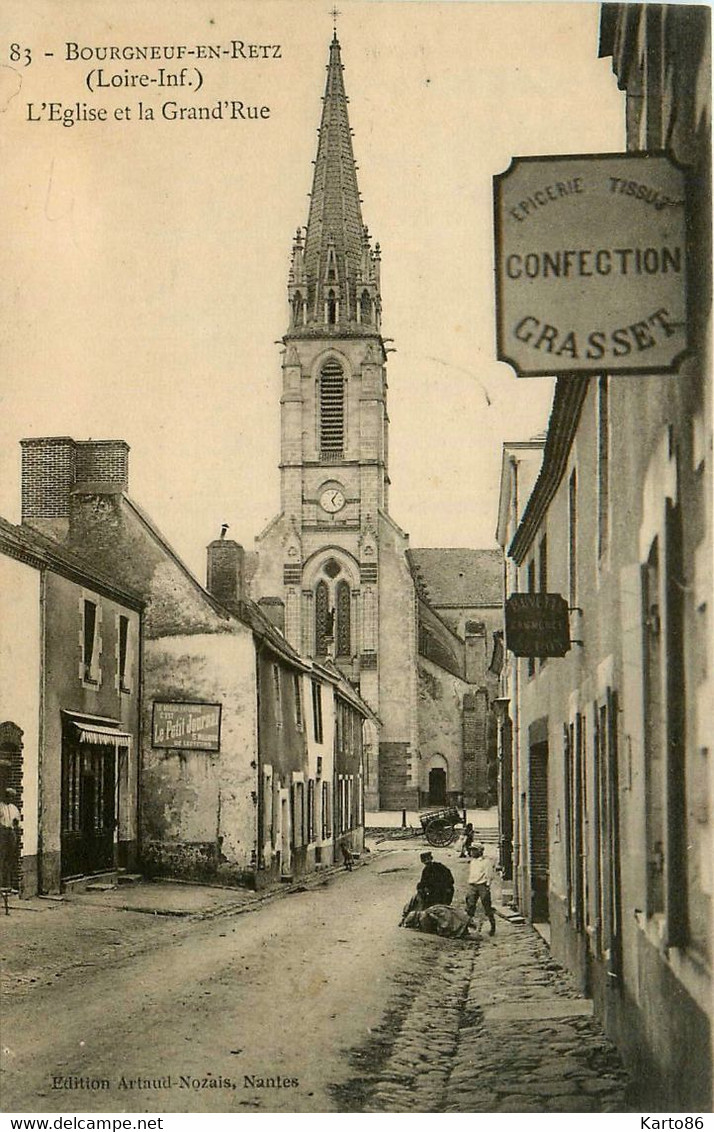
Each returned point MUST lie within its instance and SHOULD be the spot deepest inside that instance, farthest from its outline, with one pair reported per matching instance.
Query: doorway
(538, 798)
(88, 808)
(437, 786)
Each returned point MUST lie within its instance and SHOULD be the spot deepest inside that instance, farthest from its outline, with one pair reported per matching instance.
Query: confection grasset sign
(591, 264)
(537, 624)
(186, 726)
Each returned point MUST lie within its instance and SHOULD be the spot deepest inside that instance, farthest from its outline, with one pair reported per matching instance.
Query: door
(539, 831)
(88, 808)
(437, 786)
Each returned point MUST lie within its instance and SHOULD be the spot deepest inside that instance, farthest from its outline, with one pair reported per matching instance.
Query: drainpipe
(41, 733)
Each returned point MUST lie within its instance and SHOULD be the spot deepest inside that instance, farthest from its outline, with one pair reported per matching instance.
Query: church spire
(334, 275)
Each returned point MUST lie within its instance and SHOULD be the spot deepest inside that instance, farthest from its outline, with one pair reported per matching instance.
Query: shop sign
(186, 726)
(591, 264)
(537, 625)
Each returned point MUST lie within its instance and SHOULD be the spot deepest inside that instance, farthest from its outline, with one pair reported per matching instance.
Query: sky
(144, 262)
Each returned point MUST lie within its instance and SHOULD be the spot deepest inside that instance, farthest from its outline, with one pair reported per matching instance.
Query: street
(317, 1002)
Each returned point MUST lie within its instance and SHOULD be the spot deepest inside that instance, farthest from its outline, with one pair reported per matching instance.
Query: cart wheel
(440, 832)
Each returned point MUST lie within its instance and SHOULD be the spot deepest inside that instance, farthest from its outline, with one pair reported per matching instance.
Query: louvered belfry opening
(332, 410)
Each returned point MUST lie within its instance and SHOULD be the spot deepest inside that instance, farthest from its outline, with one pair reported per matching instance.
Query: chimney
(225, 571)
(475, 652)
(103, 462)
(55, 467)
(274, 610)
(48, 473)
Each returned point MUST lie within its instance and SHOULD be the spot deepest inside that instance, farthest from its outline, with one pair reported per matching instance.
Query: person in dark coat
(436, 885)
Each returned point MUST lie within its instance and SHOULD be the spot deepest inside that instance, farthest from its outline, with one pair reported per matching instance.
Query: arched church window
(297, 309)
(365, 307)
(332, 408)
(343, 635)
(324, 618)
(331, 308)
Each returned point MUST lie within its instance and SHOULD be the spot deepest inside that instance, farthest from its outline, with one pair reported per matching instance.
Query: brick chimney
(48, 473)
(274, 610)
(56, 467)
(225, 571)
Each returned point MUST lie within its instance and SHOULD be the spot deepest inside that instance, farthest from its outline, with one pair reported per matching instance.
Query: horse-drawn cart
(439, 826)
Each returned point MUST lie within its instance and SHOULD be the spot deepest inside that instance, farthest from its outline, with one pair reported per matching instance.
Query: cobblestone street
(494, 1026)
(389, 1020)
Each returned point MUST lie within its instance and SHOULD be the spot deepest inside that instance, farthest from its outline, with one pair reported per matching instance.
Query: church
(412, 629)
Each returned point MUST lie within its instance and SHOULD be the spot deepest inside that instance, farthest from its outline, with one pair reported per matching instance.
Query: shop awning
(103, 736)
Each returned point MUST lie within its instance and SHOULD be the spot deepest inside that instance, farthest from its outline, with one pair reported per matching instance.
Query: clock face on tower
(332, 500)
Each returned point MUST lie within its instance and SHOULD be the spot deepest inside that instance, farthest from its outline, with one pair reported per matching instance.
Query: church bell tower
(333, 529)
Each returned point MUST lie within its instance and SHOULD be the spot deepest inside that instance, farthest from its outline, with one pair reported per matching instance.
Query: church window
(331, 308)
(332, 409)
(365, 307)
(323, 618)
(343, 619)
(332, 568)
(297, 309)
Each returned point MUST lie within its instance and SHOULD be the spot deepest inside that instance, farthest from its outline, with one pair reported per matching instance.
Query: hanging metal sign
(537, 625)
(591, 264)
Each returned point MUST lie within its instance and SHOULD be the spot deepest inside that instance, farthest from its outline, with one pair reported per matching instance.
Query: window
(298, 814)
(297, 684)
(123, 653)
(543, 577)
(654, 739)
(365, 308)
(90, 671)
(573, 540)
(267, 806)
(543, 565)
(343, 635)
(531, 590)
(603, 466)
(332, 409)
(326, 816)
(333, 611)
(277, 697)
(317, 710)
(311, 811)
(324, 618)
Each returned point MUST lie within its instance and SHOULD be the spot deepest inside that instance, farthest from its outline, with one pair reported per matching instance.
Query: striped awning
(103, 736)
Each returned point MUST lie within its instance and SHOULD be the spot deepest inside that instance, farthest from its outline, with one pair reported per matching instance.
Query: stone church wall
(398, 768)
(440, 729)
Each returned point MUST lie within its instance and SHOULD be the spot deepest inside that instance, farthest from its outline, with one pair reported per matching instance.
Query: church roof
(457, 577)
(335, 211)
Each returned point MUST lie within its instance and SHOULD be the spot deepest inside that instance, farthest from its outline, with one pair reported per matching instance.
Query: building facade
(228, 774)
(69, 711)
(613, 777)
(334, 555)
